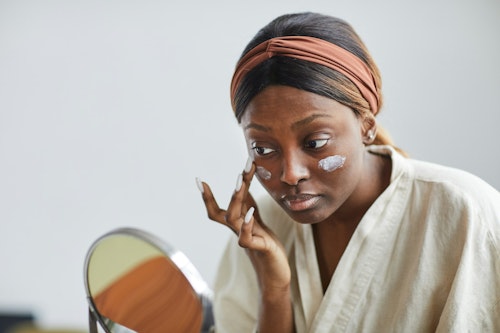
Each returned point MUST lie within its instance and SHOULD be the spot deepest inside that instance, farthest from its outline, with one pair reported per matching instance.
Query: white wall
(109, 110)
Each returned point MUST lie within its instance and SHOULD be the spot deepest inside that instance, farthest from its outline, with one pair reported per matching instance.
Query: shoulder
(444, 191)
(454, 194)
(458, 184)
(432, 172)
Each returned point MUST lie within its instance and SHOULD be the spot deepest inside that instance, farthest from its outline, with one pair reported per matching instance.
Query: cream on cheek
(263, 173)
(331, 163)
(328, 164)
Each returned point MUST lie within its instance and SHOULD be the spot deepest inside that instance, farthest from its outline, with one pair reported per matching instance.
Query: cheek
(331, 163)
(263, 173)
(327, 164)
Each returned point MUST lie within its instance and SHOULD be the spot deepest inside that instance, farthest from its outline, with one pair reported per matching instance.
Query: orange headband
(314, 50)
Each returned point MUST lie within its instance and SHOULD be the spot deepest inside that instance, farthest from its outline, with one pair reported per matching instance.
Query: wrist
(275, 311)
(275, 293)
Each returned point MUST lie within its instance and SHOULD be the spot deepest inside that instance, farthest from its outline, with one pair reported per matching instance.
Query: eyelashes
(262, 150)
(316, 144)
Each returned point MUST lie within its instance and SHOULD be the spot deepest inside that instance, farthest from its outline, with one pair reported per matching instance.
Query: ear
(369, 129)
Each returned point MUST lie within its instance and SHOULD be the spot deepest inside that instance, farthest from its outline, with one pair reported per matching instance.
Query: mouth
(300, 202)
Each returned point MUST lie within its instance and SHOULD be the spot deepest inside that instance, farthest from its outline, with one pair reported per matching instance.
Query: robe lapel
(308, 276)
(359, 262)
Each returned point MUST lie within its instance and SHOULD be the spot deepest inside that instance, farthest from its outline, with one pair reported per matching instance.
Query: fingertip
(249, 171)
(245, 234)
(199, 184)
(248, 165)
(249, 215)
(239, 183)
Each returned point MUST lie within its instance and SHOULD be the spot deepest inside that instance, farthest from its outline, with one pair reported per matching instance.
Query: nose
(294, 169)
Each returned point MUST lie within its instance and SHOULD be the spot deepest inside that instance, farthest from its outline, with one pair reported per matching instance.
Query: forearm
(275, 312)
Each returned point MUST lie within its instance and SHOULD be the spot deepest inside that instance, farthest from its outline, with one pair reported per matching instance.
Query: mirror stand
(92, 321)
(137, 283)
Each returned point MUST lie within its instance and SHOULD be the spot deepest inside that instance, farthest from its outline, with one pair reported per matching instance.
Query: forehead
(283, 105)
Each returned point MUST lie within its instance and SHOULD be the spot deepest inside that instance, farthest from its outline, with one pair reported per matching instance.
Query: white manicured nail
(239, 182)
(248, 166)
(200, 185)
(249, 214)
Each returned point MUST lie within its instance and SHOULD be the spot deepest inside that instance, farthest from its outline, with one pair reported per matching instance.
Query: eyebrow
(257, 127)
(309, 120)
(295, 125)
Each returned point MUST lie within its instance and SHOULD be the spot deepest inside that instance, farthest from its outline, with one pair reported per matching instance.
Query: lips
(300, 202)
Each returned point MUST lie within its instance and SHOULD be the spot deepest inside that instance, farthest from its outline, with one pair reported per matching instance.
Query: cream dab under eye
(331, 163)
(263, 173)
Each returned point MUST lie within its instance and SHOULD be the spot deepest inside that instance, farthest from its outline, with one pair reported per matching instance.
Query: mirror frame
(178, 258)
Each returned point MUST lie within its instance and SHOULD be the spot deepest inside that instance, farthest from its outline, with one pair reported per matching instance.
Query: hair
(308, 76)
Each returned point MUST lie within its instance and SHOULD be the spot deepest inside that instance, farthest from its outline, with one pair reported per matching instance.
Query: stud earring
(371, 135)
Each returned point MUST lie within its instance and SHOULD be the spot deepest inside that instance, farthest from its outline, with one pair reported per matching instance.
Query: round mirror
(137, 283)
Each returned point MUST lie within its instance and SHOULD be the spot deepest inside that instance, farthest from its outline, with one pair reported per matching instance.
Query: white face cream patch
(263, 173)
(331, 163)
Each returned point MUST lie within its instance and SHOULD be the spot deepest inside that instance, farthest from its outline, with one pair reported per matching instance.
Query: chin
(309, 216)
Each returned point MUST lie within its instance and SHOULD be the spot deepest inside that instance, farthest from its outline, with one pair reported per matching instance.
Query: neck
(332, 236)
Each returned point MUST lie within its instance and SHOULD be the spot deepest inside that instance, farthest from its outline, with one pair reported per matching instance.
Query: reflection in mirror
(137, 283)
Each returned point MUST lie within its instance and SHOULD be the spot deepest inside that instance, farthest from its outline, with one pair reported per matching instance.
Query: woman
(357, 237)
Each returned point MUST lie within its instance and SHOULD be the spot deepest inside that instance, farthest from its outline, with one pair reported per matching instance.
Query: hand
(265, 251)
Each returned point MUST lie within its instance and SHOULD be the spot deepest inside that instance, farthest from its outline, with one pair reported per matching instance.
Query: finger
(248, 174)
(214, 212)
(234, 209)
(250, 202)
(248, 165)
(247, 238)
(237, 207)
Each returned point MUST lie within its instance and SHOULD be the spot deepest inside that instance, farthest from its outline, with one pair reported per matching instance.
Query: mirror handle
(92, 322)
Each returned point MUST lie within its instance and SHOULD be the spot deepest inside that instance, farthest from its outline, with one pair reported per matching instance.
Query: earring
(371, 135)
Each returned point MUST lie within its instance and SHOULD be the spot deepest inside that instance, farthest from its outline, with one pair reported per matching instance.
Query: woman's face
(308, 150)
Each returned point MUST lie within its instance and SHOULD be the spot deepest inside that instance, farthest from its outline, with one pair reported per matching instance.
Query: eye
(316, 144)
(261, 151)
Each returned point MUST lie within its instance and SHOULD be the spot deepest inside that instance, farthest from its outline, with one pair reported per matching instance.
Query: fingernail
(248, 166)
(239, 182)
(200, 185)
(249, 214)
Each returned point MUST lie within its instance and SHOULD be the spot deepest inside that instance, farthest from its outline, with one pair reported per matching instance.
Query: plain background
(109, 110)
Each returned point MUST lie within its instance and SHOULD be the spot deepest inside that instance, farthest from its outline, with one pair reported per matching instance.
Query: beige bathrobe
(424, 258)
